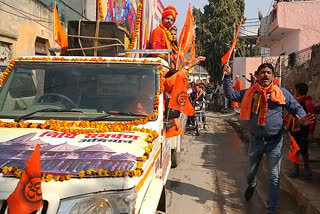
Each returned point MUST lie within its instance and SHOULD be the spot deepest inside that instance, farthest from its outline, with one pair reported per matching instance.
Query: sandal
(293, 174)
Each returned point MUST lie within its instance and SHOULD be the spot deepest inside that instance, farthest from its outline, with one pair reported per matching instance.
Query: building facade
(290, 27)
(26, 27)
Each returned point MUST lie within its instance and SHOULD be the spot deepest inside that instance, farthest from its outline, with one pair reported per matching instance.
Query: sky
(251, 8)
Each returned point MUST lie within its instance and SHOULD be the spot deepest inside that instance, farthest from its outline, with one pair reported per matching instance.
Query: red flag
(187, 33)
(58, 33)
(179, 97)
(226, 57)
(293, 149)
(27, 197)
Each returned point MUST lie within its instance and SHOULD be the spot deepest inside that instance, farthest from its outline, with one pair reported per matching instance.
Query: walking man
(262, 105)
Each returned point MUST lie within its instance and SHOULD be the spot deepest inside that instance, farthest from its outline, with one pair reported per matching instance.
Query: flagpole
(234, 35)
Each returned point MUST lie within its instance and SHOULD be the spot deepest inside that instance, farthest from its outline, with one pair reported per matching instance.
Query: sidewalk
(305, 192)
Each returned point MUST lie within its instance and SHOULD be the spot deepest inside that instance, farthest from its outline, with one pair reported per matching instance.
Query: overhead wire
(27, 17)
(24, 17)
(23, 11)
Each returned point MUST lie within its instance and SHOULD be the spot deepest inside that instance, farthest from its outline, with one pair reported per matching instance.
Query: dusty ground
(211, 176)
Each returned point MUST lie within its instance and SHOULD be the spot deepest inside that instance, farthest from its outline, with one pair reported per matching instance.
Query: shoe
(293, 174)
(308, 173)
(248, 194)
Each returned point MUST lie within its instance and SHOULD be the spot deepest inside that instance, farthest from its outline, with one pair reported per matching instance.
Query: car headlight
(100, 203)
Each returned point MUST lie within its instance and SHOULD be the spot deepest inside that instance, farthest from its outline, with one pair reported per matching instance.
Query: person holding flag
(301, 134)
(262, 105)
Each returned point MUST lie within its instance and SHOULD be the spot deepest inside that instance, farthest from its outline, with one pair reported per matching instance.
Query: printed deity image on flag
(122, 12)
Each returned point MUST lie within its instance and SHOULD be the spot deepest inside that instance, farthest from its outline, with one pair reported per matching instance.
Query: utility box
(91, 38)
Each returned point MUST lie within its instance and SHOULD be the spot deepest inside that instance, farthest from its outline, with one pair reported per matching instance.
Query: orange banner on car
(58, 33)
(226, 57)
(293, 149)
(27, 197)
(179, 97)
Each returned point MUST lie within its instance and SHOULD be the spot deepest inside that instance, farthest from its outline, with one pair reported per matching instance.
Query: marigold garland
(84, 127)
(137, 25)
(6, 73)
(167, 32)
(101, 10)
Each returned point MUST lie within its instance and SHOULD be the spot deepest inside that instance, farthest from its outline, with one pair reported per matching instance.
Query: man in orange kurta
(161, 37)
(238, 86)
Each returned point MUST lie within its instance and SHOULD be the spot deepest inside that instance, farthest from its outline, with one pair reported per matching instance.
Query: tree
(215, 31)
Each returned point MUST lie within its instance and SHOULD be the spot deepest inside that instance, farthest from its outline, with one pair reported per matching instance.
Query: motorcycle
(195, 122)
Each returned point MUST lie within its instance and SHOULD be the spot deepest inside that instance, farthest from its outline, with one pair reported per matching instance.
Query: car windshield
(88, 90)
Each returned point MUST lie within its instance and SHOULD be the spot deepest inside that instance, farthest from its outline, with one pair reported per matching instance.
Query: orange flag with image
(58, 33)
(293, 149)
(179, 97)
(193, 51)
(226, 57)
(27, 197)
(187, 33)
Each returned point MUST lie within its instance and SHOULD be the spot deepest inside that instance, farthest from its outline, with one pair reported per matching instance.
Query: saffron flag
(226, 57)
(179, 97)
(27, 197)
(293, 149)
(187, 33)
(58, 33)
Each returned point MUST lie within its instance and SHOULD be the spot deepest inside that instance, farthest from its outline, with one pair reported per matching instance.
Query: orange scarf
(261, 103)
(201, 92)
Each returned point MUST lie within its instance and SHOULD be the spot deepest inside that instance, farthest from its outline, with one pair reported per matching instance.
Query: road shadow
(202, 195)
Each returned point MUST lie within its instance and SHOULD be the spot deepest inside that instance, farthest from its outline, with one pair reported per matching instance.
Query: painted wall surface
(34, 21)
(302, 24)
(288, 44)
(245, 66)
(298, 14)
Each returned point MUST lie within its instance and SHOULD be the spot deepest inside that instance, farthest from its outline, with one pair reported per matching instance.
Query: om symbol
(32, 190)
(181, 98)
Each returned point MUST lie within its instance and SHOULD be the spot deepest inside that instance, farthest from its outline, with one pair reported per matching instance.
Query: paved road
(211, 177)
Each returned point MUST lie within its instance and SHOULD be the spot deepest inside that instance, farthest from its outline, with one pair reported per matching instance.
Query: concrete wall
(302, 24)
(306, 71)
(298, 14)
(21, 29)
(245, 66)
(288, 44)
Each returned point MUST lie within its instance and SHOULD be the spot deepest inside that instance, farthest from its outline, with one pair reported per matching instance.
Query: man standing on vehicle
(161, 37)
(262, 105)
